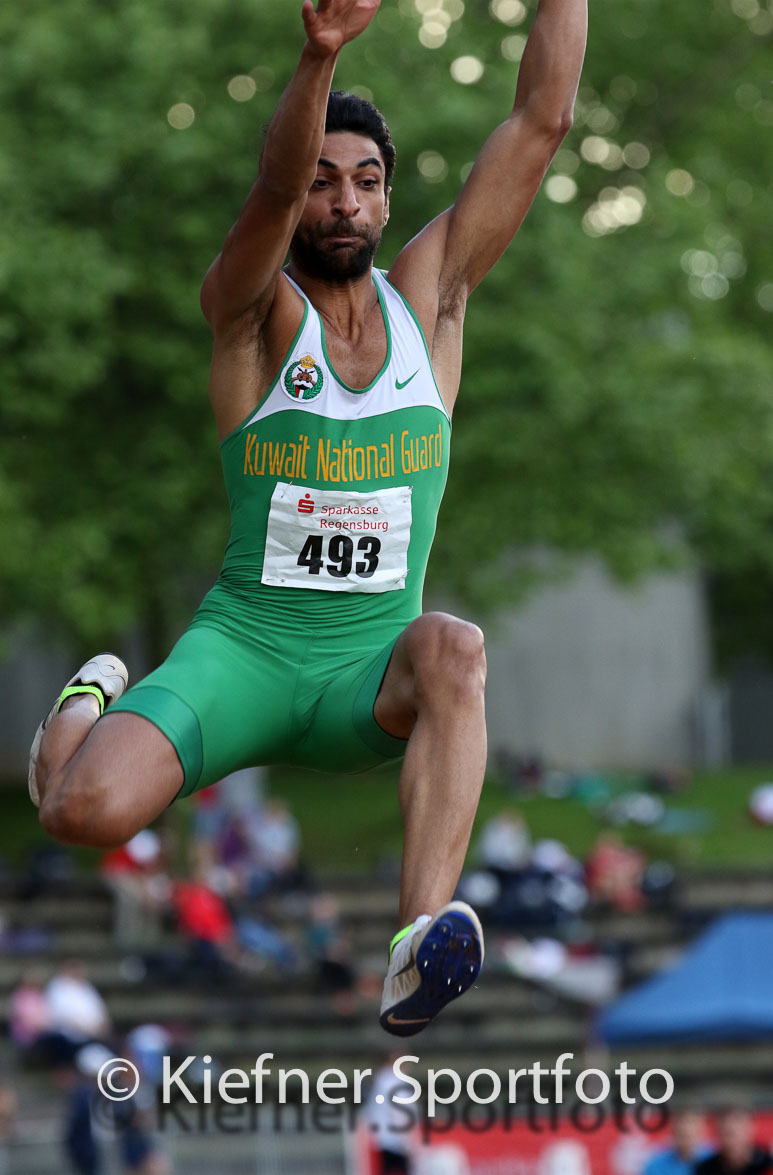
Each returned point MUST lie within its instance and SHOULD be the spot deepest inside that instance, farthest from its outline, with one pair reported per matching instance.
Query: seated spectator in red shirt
(614, 873)
(219, 939)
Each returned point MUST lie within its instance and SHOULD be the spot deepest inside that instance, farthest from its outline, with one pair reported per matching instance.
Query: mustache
(343, 228)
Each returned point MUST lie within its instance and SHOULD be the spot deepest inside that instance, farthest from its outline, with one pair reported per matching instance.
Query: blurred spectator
(504, 847)
(32, 1028)
(266, 942)
(208, 819)
(219, 939)
(761, 804)
(544, 894)
(392, 1126)
(273, 841)
(330, 950)
(76, 1009)
(688, 1145)
(243, 791)
(45, 868)
(136, 876)
(83, 1143)
(80, 1141)
(204, 918)
(218, 810)
(16, 939)
(147, 1046)
(668, 781)
(584, 977)
(29, 1016)
(615, 872)
(519, 772)
(737, 1153)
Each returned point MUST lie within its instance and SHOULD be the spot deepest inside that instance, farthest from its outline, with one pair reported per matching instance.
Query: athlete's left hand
(335, 22)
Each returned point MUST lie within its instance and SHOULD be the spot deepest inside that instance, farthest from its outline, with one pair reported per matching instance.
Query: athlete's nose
(346, 203)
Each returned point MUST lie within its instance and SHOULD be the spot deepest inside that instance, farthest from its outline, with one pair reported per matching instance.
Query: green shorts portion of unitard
(233, 695)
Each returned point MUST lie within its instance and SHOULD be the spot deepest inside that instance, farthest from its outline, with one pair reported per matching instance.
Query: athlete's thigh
(131, 772)
(222, 701)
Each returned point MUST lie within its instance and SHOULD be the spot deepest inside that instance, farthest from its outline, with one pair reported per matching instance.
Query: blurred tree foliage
(617, 386)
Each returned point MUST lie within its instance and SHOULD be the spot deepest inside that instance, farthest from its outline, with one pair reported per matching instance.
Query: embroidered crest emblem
(303, 379)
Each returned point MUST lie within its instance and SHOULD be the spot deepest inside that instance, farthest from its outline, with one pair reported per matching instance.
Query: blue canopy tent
(721, 989)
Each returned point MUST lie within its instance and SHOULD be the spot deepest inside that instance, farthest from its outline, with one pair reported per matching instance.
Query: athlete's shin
(443, 770)
(439, 792)
(62, 738)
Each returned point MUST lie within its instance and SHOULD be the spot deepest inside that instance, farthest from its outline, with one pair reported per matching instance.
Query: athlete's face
(345, 213)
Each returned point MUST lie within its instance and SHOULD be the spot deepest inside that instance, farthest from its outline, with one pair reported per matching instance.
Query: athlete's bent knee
(76, 814)
(448, 654)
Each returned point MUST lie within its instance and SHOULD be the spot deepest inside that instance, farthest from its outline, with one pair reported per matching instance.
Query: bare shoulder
(418, 273)
(247, 354)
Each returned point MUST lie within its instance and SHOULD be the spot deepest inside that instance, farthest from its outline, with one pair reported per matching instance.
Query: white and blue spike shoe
(106, 677)
(431, 963)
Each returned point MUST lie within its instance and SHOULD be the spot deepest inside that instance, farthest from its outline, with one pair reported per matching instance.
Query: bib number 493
(337, 540)
(340, 555)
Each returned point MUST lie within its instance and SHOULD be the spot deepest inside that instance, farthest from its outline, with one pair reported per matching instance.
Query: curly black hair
(347, 112)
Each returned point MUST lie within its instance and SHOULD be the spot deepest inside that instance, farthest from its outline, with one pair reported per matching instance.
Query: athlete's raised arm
(244, 276)
(439, 268)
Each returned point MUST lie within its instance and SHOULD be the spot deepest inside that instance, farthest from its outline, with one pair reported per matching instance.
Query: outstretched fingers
(333, 23)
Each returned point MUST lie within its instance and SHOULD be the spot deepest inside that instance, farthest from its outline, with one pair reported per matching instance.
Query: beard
(334, 263)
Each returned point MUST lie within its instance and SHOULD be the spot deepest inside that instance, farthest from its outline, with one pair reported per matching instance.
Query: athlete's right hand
(334, 22)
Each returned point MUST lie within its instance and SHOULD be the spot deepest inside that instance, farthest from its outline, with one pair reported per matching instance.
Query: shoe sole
(448, 962)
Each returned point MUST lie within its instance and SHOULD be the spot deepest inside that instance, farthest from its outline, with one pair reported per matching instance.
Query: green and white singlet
(334, 494)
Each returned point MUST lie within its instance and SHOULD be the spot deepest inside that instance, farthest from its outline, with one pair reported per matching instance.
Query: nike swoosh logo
(399, 385)
(392, 1019)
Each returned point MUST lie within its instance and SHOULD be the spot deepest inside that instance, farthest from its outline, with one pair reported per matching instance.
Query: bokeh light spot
(679, 182)
(761, 24)
(560, 189)
(242, 87)
(636, 155)
(508, 11)
(432, 166)
(594, 149)
(746, 9)
(432, 35)
(566, 161)
(765, 296)
(180, 116)
(512, 47)
(467, 70)
(614, 209)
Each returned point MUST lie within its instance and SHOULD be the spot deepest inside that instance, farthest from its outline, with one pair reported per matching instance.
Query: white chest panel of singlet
(307, 382)
(338, 540)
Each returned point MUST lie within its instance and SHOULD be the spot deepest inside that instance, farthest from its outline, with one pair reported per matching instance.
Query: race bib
(338, 541)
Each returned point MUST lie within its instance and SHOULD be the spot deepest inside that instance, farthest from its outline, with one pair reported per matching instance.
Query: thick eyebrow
(371, 161)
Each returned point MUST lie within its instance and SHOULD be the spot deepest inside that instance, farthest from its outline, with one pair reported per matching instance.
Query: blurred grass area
(352, 823)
